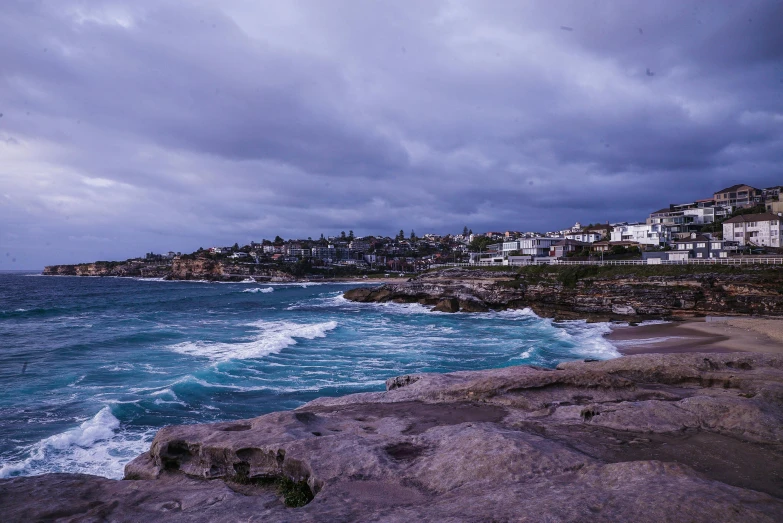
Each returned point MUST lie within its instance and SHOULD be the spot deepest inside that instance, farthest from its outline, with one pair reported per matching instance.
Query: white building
(583, 236)
(646, 234)
(763, 229)
(538, 246)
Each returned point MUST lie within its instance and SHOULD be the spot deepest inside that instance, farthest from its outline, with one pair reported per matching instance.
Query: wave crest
(273, 337)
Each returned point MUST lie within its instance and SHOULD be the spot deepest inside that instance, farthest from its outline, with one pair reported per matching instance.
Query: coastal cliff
(595, 292)
(686, 437)
(179, 269)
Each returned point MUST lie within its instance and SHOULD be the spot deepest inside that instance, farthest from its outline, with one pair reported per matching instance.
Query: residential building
(509, 247)
(762, 230)
(701, 246)
(360, 244)
(772, 193)
(775, 207)
(583, 236)
(604, 230)
(537, 246)
(643, 233)
(566, 246)
(323, 253)
(738, 196)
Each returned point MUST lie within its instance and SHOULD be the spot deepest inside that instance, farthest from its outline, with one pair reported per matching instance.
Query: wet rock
(660, 437)
(447, 305)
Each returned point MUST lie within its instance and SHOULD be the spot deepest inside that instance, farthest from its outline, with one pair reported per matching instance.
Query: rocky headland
(205, 269)
(682, 437)
(601, 293)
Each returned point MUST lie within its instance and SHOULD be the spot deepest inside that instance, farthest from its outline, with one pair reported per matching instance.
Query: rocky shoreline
(677, 437)
(599, 294)
(203, 269)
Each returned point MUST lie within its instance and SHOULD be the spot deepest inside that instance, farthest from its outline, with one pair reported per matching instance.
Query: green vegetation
(294, 493)
(565, 272)
(480, 243)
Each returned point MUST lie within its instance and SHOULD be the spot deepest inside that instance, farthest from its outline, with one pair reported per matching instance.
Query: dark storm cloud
(150, 125)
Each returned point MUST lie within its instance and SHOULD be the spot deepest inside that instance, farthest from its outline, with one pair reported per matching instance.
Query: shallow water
(91, 368)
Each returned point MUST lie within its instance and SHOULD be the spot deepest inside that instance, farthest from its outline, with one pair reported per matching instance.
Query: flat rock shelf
(656, 437)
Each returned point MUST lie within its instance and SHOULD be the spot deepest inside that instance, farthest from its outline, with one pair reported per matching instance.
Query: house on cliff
(739, 195)
(761, 230)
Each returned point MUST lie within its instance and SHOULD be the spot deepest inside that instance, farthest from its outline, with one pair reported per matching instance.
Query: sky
(158, 125)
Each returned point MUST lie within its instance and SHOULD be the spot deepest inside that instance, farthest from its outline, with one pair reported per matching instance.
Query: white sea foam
(646, 341)
(589, 339)
(263, 290)
(273, 336)
(97, 446)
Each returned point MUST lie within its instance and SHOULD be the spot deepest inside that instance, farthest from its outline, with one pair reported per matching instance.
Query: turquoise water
(90, 368)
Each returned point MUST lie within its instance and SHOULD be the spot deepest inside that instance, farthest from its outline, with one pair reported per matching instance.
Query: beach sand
(730, 334)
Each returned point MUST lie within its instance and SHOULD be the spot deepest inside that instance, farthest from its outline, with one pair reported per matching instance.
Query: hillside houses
(717, 226)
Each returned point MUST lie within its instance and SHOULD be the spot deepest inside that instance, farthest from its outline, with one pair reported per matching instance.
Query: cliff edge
(685, 437)
(620, 292)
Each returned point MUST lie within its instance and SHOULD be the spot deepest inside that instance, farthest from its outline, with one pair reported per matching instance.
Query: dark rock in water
(447, 305)
(688, 437)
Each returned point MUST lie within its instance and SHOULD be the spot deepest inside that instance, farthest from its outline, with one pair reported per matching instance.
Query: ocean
(91, 368)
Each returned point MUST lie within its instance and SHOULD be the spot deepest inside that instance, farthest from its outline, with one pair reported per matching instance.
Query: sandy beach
(727, 334)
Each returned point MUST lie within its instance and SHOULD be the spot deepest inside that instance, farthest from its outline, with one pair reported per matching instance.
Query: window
(716, 245)
(699, 255)
(738, 235)
(701, 245)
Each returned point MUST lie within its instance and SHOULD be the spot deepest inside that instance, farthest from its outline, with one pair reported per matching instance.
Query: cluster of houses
(714, 227)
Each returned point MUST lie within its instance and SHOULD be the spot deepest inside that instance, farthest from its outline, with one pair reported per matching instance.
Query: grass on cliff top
(651, 270)
(570, 274)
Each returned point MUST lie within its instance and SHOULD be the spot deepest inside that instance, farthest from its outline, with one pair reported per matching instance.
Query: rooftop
(760, 217)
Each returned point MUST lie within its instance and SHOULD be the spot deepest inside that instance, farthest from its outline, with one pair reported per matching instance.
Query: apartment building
(763, 230)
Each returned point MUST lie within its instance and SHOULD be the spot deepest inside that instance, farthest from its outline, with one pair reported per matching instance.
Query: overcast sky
(157, 125)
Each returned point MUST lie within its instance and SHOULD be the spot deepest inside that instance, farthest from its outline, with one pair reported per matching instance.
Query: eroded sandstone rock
(691, 437)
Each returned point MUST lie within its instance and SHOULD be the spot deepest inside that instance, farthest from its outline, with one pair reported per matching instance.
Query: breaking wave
(263, 290)
(272, 337)
(97, 446)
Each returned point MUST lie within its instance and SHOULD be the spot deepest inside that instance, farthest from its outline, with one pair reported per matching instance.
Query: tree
(279, 240)
(479, 243)
(470, 231)
(342, 235)
(413, 235)
(235, 248)
(401, 235)
(350, 235)
(465, 231)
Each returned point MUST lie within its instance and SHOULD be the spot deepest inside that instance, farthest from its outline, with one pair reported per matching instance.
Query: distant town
(736, 221)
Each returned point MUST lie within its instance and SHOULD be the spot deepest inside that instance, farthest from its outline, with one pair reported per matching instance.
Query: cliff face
(179, 269)
(569, 293)
(689, 437)
(137, 269)
(198, 269)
